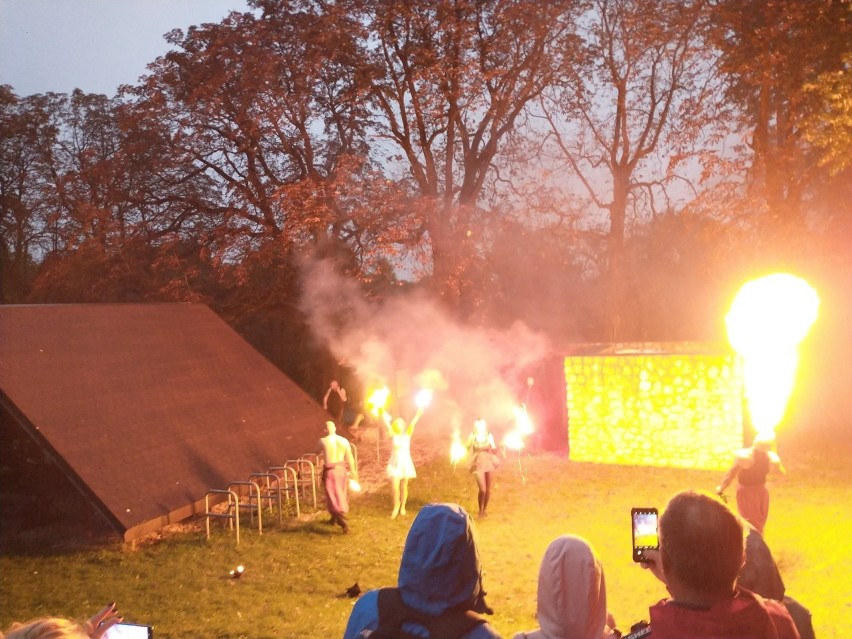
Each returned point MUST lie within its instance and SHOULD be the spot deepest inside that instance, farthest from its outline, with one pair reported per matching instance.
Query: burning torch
(423, 398)
(458, 451)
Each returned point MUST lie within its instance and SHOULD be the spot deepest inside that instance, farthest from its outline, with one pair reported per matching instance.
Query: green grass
(296, 575)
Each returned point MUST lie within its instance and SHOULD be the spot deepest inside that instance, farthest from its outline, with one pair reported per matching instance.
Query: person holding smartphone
(699, 560)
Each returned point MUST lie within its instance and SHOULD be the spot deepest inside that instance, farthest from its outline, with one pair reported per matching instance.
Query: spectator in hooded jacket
(439, 592)
(571, 601)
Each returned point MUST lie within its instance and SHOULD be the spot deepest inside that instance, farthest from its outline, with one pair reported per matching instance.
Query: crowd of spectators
(720, 575)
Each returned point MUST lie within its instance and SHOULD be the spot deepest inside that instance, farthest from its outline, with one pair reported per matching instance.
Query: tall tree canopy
(401, 138)
(633, 107)
(772, 51)
(450, 82)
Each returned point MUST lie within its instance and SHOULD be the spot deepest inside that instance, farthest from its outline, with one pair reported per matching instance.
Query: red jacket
(745, 616)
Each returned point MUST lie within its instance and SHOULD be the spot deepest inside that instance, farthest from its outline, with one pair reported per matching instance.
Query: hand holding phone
(644, 522)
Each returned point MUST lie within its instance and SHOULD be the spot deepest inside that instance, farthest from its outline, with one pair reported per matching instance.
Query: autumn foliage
(580, 165)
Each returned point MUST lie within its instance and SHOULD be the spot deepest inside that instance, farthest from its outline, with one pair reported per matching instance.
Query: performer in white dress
(400, 465)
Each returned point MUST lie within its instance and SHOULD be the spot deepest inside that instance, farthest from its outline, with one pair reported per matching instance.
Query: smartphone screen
(129, 631)
(645, 536)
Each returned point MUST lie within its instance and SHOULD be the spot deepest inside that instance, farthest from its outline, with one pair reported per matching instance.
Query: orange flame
(378, 400)
(514, 439)
(767, 320)
(458, 451)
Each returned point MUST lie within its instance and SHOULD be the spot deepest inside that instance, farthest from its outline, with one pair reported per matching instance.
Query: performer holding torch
(400, 465)
(484, 461)
(751, 467)
(337, 452)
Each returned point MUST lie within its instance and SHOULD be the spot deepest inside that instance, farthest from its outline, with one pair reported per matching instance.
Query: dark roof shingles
(150, 405)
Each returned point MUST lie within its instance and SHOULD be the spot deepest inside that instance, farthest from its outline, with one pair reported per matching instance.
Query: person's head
(440, 567)
(480, 427)
(334, 385)
(48, 628)
(398, 425)
(330, 427)
(701, 547)
(764, 441)
(571, 590)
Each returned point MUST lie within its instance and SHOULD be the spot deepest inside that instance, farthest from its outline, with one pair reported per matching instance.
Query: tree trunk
(615, 296)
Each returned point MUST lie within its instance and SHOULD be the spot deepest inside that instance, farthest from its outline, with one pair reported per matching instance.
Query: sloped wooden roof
(147, 406)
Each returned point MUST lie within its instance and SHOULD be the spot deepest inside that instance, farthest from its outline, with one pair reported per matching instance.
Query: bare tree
(450, 81)
(629, 114)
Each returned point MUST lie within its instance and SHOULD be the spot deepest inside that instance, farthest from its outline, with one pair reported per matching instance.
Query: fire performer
(338, 454)
(484, 461)
(751, 467)
(400, 465)
(335, 401)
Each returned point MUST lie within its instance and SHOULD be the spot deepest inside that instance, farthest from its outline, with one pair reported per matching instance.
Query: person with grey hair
(699, 560)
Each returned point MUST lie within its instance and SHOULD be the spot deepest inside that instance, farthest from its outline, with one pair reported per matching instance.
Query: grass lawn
(297, 574)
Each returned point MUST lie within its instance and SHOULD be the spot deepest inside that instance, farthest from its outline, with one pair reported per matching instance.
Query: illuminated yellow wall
(659, 408)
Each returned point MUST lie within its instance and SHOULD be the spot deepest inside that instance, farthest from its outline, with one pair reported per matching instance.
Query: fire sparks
(378, 400)
(523, 423)
(458, 450)
(514, 439)
(768, 319)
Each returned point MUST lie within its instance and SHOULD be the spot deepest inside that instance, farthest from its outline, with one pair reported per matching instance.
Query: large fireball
(768, 319)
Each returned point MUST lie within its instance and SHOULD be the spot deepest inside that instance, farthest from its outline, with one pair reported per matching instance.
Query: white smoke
(408, 342)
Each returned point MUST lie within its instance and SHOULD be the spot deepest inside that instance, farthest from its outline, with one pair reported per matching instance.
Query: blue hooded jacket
(439, 570)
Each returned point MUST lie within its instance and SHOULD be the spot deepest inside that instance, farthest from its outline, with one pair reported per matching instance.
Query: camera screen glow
(129, 631)
(645, 530)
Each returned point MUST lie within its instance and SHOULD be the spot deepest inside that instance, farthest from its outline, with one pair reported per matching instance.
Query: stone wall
(674, 405)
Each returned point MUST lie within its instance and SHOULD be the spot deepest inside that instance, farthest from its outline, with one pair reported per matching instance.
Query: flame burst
(768, 319)
(378, 400)
(457, 449)
(423, 398)
(514, 439)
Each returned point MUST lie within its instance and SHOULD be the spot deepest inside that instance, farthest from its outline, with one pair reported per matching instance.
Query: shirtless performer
(338, 454)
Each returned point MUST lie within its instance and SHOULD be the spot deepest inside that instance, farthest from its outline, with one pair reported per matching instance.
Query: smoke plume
(408, 343)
